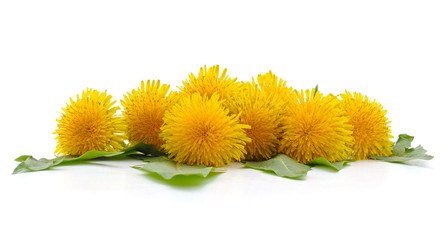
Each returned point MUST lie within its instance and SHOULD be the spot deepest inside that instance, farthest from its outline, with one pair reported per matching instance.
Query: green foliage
(402, 151)
(168, 169)
(282, 166)
(336, 166)
(32, 164)
(28, 163)
(315, 91)
(146, 149)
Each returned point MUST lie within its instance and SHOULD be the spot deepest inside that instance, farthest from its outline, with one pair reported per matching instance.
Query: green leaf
(402, 144)
(22, 158)
(147, 149)
(337, 166)
(169, 169)
(59, 160)
(402, 151)
(32, 164)
(29, 163)
(93, 155)
(282, 166)
(315, 91)
(37, 165)
(21, 168)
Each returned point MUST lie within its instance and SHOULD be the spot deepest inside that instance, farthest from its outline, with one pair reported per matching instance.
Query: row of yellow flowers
(214, 119)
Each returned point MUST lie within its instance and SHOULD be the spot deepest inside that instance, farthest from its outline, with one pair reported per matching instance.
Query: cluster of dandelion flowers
(371, 128)
(144, 111)
(262, 113)
(315, 126)
(89, 123)
(199, 130)
(209, 81)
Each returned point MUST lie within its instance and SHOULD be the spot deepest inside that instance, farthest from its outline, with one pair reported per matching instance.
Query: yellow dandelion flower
(198, 130)
(144, 110)
(209, 82)
(89, 123)
(263, 114)
(316, 126)
(371, 127)
(173, 98)
(270, 83)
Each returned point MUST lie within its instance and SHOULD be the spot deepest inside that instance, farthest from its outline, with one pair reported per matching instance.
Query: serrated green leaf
(93, 155)
(59, 160)
(402, 151)
(410, 154)
(169, 169)
(21, 168)
(147, 149)
(403, 143)
(32, 164)
(29, 163)
(37, 165)
(22, 158)
(337, 166)
(282, 166)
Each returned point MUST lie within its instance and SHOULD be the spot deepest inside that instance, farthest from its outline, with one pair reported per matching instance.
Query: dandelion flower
(173, 97)
(262, 113)
(269, 83)
(316, 126)
(198, 130)
(371, 127)
(209, 82)
(144, 110)
(89, 123)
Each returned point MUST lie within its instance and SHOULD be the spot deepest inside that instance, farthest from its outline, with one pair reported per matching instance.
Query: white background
(393, 51)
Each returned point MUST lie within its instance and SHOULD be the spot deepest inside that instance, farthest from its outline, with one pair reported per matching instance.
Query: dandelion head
(263, 114)
(199, 130)
(270, 84)
(144, 110)
(210, 81)
(89, 123)
(371, 127)
(315, 126)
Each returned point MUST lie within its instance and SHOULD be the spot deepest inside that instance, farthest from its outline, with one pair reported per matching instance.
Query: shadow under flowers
(183, 182)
